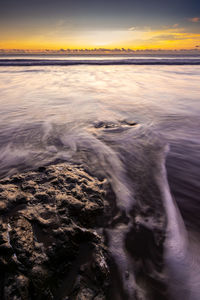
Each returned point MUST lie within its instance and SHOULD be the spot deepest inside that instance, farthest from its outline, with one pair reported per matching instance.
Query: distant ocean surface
(98, 60)
(115, 115)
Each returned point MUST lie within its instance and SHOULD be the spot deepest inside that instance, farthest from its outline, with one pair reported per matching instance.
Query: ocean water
(138, 124)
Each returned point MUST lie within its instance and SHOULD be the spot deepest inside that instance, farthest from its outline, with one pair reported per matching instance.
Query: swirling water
(138, 125)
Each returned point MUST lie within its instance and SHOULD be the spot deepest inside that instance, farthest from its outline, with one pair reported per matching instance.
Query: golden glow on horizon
(165, 38)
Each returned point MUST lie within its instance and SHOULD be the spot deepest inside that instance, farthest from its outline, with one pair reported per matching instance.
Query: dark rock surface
(49, 245)
(57, 227)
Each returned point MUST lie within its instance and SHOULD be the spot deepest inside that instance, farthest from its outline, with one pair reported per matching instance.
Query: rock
(47, 235)
(54, 231)
(16, 287)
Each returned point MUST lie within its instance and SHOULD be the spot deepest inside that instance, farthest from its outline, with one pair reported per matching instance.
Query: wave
(69, 62)
(146, 234)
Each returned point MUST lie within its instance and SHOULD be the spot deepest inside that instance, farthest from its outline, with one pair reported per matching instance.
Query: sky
(77, 24)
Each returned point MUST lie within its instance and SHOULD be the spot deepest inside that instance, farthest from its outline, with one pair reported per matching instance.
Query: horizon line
(93, 50)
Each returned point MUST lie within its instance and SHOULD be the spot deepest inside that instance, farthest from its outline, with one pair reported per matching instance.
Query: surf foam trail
(146, 234)
(151, 255)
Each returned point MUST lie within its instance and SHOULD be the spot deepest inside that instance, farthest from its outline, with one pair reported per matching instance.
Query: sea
(133, 120)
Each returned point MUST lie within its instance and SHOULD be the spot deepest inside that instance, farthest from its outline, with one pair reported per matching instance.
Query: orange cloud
(194, 20)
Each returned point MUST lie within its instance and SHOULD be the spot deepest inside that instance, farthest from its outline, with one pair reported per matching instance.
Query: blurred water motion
(126, 123)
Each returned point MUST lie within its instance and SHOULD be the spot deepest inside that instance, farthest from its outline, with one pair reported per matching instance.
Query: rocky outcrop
(63, 237)
(49, 244)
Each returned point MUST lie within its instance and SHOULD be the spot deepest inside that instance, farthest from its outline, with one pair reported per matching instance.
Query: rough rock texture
(49, 248)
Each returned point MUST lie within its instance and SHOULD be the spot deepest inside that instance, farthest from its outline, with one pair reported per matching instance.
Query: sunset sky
(135, 24)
